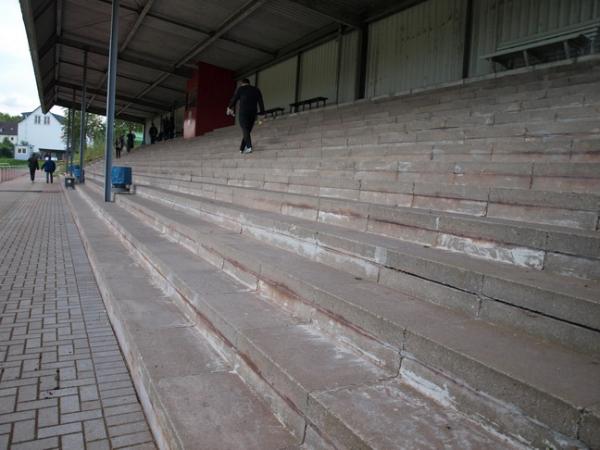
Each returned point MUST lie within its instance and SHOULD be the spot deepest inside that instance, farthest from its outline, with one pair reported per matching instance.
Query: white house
(39, 132)
(8, 130)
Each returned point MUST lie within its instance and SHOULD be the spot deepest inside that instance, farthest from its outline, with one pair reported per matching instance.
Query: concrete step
(331, 393)
(432, 340)
(556, 249)
(566, 209)
(179, 376)
(397, 265)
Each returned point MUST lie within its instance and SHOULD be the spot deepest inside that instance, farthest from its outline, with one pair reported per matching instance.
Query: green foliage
(6, 149)
(4, 117)
(95, 127)
(12, 162)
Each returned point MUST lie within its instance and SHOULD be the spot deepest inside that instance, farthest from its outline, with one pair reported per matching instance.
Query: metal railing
(10, 172)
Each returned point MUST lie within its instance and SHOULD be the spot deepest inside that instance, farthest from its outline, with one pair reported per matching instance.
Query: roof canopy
(161, 41)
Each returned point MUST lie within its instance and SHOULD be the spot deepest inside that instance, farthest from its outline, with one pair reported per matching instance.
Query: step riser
(571, 218)
(366, 346)
(477, 306)
(413, 345)
(285, 410)
(479, 242)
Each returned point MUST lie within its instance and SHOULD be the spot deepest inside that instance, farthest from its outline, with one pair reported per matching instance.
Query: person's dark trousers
(49, 177)
(32, 174)
(118, 153)
(247, 123)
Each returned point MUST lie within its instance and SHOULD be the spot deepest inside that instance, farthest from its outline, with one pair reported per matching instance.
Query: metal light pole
(83, 117)
(72, 131)
(110, 99)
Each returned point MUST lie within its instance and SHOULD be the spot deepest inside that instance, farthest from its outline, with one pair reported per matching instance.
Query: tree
(122, 127)
(4, 117)
(7, 149)
(95, 128)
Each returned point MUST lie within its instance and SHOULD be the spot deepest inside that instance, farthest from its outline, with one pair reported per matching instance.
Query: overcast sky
(18, 92)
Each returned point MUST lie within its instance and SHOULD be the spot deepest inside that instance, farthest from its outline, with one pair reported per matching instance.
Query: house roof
(161, 42)
(60, 118)
(9, 128)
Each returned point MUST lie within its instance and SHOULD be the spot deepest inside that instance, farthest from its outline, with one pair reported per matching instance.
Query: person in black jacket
(249, 98)
(49, 167)
(33, 164)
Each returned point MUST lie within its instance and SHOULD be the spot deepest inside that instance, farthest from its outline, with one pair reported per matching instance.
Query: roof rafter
(178, 25)
(236, 17)
(328, 10)
(81, 44)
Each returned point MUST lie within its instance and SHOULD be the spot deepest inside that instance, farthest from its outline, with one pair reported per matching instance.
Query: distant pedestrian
(250, 98)
(153, 133)
(34, 165)
(49, 167)
(119, 144)
(130, 140)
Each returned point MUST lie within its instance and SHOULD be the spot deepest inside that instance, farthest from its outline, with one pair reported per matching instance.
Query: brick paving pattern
(63, 380)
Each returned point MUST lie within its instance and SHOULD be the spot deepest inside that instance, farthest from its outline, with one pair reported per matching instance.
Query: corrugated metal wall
(348, 67)
(497, 22)
(420, 46)
(278, 84)
(318, 72)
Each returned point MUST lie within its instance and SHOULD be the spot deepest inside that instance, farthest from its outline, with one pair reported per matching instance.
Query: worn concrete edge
(491, 403)
(162, 429)
(278, 404)
(565, 329)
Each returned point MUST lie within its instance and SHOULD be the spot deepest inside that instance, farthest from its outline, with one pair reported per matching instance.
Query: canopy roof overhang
(161, 42)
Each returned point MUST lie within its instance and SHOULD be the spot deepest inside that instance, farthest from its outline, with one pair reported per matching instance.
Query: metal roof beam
(68, 103)
(330, 11)
(125, 98)
(127, 40)
(309, 41)
(236, 17)
(80, 44)
(125, 77)
(178, 25)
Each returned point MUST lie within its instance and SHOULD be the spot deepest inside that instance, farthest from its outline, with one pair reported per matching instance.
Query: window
(46, 120)
(37, 120)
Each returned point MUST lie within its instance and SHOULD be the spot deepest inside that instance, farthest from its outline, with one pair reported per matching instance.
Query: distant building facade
(9, 130)
(39, 132)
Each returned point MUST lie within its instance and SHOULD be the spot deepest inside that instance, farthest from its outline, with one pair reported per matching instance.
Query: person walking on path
(130, 140)
(119, 144)
(153, 133)
(33, 164)
(249, 98)
(49, 167)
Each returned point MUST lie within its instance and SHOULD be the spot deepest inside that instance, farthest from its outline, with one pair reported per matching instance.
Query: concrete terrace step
(436, 276)
(178, 374)
(324, 391)
(433, 341)
(551, 248)
(554, 177)
(567, 209)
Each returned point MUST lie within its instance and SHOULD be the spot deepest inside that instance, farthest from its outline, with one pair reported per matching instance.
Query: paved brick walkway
(63, 380)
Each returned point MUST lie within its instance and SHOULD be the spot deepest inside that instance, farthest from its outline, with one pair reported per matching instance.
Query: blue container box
(77, 172)
(121, 176)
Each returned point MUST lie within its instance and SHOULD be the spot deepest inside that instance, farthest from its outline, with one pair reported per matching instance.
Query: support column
(361, 85)
(72, 131)
(68, 131)
(82, 128)
(110, 99)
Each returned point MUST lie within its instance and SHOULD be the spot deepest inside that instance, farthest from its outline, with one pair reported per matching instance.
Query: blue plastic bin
(77, 172)
(121, 176)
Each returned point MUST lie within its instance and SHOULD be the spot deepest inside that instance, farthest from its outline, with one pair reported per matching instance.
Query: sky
(18, 91)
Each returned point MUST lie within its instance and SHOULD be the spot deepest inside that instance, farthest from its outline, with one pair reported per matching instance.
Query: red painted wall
(209, 92)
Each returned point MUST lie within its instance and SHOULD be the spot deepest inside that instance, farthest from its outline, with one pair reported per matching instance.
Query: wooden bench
(295, 107)
(274, 112)
(571, 42)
